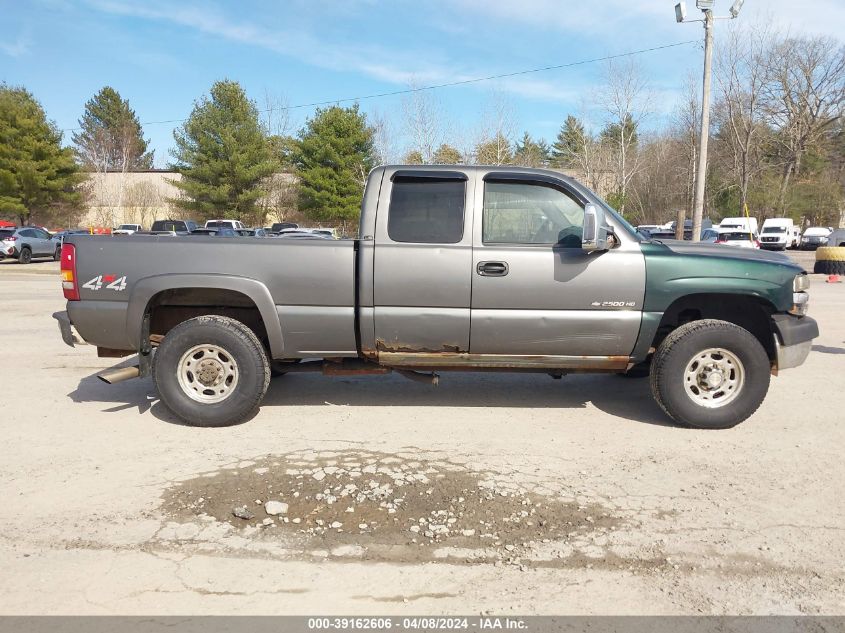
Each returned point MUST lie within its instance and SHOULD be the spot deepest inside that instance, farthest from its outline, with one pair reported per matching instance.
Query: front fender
(145, 289)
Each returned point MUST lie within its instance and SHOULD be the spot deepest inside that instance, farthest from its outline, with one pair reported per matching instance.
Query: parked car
(836, 238)
(743, 239)
(280, 226)
(330, 233)
(127, 229)
(58, 237)
(26, 242)
(778, 234)
(295, 234)
(710, 235)
(175, 226)
(534, 273)
(223, 231)
(224, 224)
(257, 232)
(814, 237)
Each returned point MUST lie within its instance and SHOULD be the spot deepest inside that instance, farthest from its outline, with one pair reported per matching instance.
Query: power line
(450, 84)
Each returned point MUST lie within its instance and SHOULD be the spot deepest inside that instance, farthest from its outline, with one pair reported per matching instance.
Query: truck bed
(305, 289)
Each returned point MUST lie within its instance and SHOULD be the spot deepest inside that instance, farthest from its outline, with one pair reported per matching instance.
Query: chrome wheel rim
(207, 373)
(714, 378)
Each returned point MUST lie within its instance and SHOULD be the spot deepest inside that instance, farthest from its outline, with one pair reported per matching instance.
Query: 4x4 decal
(112, 282)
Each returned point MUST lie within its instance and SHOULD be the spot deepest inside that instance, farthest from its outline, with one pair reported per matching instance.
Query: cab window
(530, 213)
(426, 210)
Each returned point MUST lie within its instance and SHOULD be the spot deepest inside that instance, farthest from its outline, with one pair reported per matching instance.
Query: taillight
(68, 268)
(757, 243)
(11, 238)
(721, 241)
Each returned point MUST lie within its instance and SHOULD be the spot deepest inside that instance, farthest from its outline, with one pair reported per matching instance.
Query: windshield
(736, 237)
(126, 227)
(774, 229)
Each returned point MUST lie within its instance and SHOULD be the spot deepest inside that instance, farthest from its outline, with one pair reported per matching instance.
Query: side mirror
(594, 237)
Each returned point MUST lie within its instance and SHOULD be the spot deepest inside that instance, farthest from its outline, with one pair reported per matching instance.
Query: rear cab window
(427, 210)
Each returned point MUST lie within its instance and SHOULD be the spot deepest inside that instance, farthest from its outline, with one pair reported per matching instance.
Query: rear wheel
(211, 371)
(710, 374)
(26, 255)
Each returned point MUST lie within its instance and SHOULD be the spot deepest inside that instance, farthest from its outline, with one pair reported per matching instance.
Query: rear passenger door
(422, 262)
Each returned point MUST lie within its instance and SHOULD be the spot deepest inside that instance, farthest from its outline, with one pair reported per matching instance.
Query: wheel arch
(148, 294)
(750, 312)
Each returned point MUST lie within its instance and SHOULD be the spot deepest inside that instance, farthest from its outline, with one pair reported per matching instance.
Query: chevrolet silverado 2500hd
(455, 268)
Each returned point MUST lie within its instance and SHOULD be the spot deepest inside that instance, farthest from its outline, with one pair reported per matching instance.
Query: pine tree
(569, 143)
(37, 175)
(531, 153)
(110, 137)
(447, 155)
(335, 155)
(224, 157)
(612, 133)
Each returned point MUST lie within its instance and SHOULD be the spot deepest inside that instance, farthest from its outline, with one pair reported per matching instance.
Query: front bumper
(793, 339)
(69, 334)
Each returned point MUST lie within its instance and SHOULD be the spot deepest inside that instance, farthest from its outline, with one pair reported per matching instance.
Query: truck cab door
(422, 263)
(534, 290)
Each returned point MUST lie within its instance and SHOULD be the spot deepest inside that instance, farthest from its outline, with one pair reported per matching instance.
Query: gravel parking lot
(488, 493)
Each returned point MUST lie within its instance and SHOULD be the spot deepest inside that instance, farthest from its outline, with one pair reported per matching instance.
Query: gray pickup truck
(455, 269)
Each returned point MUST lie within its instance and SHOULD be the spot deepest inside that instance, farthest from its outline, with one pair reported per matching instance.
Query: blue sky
(164, 55)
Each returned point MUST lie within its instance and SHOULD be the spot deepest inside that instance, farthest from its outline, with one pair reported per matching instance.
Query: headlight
(800, 283)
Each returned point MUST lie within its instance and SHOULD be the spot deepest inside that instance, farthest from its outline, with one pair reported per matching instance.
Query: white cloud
(18, 48)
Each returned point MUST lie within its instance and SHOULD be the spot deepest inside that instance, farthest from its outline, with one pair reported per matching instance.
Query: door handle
(492, 269)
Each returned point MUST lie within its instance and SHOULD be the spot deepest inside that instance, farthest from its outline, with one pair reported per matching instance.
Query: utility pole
(704, 134)
(706, 7)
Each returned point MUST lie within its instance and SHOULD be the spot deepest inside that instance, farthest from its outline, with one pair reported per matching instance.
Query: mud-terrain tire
(828, 267)
(25, 256)
(211, 371)
(683, 369)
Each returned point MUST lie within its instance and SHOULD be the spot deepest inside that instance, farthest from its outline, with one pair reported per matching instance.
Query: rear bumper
(69, 334)
(793, 339)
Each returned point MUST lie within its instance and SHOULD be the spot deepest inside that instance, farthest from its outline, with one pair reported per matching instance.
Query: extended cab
(455, 269)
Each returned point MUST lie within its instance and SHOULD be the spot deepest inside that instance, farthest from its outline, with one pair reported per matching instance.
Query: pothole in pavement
(376, 506)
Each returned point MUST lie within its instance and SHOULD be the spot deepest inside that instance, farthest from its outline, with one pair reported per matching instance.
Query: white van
(778, 234)
(739, 224)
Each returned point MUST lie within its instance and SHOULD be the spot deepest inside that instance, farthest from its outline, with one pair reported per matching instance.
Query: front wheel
(211, 371)
(710, 374)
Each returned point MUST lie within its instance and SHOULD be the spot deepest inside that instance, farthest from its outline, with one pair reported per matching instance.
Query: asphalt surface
(525, 494)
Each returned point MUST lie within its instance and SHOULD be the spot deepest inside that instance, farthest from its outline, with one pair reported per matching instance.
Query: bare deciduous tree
(804, 97)
(425, 122)
(494, 139)
(741, 75)
(626, 98)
